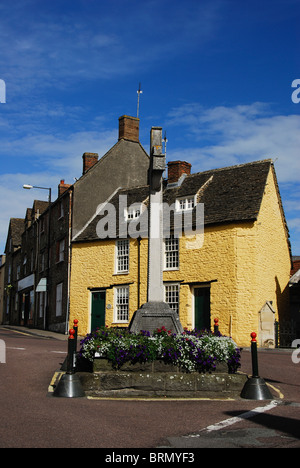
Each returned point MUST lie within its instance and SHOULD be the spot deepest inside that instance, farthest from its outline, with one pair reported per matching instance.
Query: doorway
(202, 308)
(98, 310)
(25, 310)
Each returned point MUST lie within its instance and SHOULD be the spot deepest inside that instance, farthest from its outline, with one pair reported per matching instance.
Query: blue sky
(216, 75)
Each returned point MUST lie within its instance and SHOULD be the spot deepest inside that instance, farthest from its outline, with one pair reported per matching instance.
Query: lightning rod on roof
(165, 141)
(139, 91)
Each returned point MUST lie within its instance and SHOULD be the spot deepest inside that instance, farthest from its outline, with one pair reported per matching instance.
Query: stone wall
(157, 379)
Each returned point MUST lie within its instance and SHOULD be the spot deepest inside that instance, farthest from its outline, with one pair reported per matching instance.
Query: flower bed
(191, 351)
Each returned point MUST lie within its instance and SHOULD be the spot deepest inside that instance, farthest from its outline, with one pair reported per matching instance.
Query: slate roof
(295, 279)
(16, 227)
(230, 194)
(39, 206)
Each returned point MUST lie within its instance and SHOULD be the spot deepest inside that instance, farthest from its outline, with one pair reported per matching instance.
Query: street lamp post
(28, 187)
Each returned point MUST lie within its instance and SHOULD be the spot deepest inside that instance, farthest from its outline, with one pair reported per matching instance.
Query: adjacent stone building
(38, 247)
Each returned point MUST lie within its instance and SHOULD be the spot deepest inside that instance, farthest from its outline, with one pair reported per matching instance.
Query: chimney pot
(176, 169)
(62, 187)
(129, 128)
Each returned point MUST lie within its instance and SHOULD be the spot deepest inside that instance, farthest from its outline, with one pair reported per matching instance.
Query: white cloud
(48, 49)
(55, 158)
(224, 136)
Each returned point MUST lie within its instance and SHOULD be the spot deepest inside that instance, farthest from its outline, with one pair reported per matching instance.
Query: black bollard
(255, 388)
(254, 355)
(216, 326)
(69, 385)
(70, 357)
(75, 328)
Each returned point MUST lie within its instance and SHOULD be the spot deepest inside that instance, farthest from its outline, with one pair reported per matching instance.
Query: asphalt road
(31, 417)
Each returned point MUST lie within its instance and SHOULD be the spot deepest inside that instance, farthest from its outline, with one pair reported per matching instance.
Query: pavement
(37, 332)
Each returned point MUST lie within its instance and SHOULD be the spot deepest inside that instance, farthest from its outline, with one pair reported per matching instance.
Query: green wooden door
(98, 310)
(202, 308)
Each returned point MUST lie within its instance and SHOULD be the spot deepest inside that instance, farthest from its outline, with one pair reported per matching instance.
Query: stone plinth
(153, 315)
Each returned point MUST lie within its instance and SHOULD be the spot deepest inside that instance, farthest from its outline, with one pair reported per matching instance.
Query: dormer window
(186, 203)
(133, 212)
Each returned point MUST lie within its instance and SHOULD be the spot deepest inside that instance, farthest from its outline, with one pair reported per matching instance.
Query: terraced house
(236, 270)
(38, 247)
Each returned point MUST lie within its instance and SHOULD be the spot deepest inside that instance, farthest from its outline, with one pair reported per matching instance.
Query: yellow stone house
(236, 270)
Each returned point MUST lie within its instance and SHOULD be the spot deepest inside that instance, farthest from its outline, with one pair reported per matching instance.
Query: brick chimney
(129, 128)
(89, 160)
(62, 187)
(176, 169)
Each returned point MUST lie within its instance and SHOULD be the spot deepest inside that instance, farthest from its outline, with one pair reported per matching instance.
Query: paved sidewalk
(36, 331)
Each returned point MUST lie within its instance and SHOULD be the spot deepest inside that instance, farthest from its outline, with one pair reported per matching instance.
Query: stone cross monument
(155, 313)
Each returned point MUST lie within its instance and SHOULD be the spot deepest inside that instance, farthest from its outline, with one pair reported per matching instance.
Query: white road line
(12, 347)
(236, 419)
(247, 415)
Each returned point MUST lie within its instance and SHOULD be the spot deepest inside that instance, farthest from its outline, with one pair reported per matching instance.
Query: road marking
(12, 347)
(55, 379)
(280, 394)
(58, 352)
(236, 419)
(21, 333)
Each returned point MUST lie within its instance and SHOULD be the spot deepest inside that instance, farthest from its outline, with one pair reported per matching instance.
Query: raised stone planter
(158, 379)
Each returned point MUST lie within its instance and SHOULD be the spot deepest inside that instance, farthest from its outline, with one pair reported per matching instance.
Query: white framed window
(122, 256)
(186, 203)
(60, 251)
(59, 289)
(171, 253)
(121, 303)
(172, 296)
(60, 210)
(133, 212)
